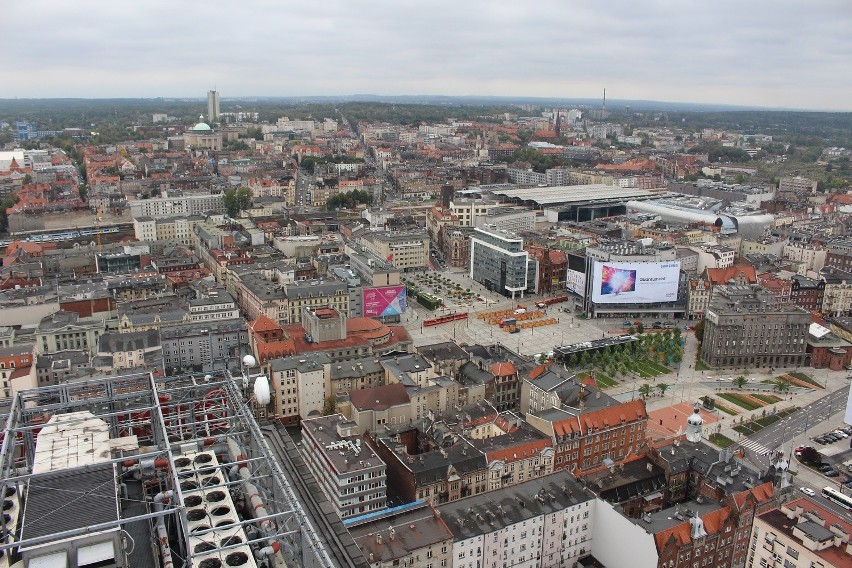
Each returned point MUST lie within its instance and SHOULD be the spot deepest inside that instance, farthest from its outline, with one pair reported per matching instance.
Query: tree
(740, 381)
(329, 405)
(645, 390)
(699, 332)
(809, 454)
(663, 387)
(237, 200)
(782, 386)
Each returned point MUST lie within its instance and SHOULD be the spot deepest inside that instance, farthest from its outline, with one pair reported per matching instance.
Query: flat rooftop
(564, 194)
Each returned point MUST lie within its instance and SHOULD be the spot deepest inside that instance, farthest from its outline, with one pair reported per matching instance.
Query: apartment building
(544, 522)
(298, 386)
(412, 535)
(177, 206)
(313, 294)
(347, 470)
(178, 228)
(800, 533)
(204, 346)
(408, 251)
(471, 212)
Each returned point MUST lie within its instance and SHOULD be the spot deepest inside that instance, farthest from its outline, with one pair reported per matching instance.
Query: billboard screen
(635, 282)
(385, 301)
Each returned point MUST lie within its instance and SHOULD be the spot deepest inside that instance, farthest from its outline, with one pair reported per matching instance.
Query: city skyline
(730, 53)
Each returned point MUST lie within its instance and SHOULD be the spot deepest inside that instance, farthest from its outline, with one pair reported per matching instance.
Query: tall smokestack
(604, 101)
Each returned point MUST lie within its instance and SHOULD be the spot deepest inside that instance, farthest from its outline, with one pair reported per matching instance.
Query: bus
(832, 494)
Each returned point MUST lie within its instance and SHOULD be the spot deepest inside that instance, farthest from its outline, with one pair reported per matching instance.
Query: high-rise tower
(212, 106)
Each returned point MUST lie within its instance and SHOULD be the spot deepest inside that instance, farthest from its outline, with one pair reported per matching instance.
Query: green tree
(699, 331)
(782, 386)
(663, 387)
(329, 405)
(237, 200)
(740, 381)
(645, 390)
(6, 202)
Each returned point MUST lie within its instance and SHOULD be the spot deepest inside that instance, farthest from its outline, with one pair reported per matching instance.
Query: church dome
(202, 127)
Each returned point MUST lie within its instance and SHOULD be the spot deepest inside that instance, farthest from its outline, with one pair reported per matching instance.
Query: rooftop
(495, 510)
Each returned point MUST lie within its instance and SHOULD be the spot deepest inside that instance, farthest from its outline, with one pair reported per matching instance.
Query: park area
(647, 358)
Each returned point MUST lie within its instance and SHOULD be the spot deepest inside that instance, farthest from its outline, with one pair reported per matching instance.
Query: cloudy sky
(782, 53)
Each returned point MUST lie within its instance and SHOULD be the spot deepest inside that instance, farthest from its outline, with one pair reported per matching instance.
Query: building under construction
(133, 471)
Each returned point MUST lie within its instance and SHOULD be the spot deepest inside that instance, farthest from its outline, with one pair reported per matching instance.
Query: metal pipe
(258, 509)
(160, 500)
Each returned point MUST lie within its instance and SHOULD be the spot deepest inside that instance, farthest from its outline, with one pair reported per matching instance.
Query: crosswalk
(755, 447)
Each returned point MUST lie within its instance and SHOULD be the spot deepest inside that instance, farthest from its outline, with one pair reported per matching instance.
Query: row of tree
(349, 200)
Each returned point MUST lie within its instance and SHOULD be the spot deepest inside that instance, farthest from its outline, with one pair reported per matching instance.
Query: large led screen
(386, 301)
(635, 282)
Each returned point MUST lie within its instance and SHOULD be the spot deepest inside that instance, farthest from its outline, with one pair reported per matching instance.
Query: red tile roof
(264, 323)
(761, 493)
(503, 369)
(723, 275)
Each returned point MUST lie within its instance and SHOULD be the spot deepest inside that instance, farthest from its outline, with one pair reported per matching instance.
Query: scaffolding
(158, 428)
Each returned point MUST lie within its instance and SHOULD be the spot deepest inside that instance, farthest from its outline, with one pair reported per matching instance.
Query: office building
(499, 262)
(213, 106)
(349, 472)
(744, 327)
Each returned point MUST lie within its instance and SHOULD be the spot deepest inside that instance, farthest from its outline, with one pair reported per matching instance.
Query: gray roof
(314, 288)
(352, 457)
(412, 363)
(471, 374)
(114, 342)
(304, 362)
(431, 467)
(495, 510)
(355, 368)
(447, 350)
(415, 527)
(199, 328)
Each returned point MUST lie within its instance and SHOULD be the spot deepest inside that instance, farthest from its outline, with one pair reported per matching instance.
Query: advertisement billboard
(385, 301)
(635, 282)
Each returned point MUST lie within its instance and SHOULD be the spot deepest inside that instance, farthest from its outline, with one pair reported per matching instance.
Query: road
(800, 422)
(813, 419)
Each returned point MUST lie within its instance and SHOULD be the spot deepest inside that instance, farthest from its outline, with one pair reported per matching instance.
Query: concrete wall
(619, 542)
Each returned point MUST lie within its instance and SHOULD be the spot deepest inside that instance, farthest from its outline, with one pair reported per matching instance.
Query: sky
(778, 54)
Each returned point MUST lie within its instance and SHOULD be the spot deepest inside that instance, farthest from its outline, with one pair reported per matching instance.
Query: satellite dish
(249, 361)
(261, 390)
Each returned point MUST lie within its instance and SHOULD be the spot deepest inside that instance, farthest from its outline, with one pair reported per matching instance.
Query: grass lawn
(739, 401)
(804, 377)
(744, 429)
(760, 423)
(767, 398)
(726, 410)
(662, 370)
(604, 381)
(721, 440)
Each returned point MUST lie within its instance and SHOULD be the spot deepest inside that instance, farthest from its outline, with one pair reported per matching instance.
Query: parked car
(840, 433)
(807, 491)
(831, 473)
(625, 324)
(821, 440)
(658, 325)
(669, 324)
